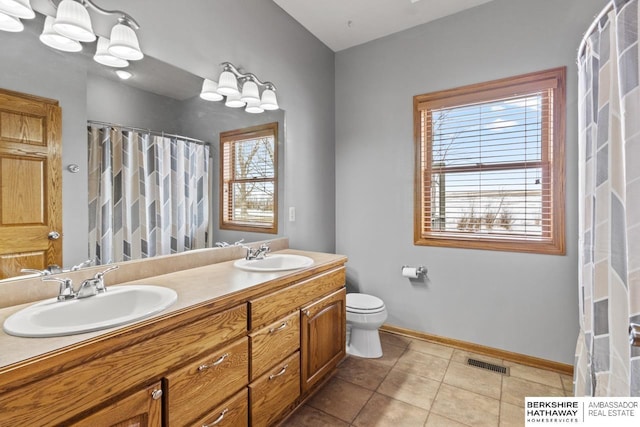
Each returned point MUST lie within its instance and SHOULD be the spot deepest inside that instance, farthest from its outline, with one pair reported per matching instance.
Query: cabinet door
(323, 325)
(140, 409)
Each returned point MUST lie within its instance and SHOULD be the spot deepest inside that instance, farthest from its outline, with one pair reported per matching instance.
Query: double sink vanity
(243, 342)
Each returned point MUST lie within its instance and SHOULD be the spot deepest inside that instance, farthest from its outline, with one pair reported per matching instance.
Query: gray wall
(524, 303)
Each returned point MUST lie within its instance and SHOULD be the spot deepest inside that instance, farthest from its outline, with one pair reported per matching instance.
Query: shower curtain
(609, 206)
(148, 194)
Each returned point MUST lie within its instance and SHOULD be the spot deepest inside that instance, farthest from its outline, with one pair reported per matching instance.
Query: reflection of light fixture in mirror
(18, 8)
(210, 91)
(254, 107)
(124, 42)
(73, 21)
(10, 23)
(234, 101)
(103, 56)
(228, 86)
(57, 41)
(124, 74)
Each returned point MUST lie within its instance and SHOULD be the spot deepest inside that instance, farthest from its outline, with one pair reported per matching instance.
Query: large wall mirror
(158, 97)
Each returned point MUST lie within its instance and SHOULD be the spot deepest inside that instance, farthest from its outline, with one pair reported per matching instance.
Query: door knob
(634, 335)
(53, 235)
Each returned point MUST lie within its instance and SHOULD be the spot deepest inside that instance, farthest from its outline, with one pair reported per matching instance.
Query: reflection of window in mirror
(249, 179)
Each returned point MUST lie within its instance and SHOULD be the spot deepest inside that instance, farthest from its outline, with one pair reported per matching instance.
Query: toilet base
(364, 343)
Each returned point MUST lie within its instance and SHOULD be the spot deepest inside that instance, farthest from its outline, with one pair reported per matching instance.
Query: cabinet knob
(53, 235)
(279, 328)
(307, 313)
(156, 394)
(217, 420)
(216, 363)
(282, 371)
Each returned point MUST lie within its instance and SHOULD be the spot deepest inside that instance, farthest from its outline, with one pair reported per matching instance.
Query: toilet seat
(364, 304)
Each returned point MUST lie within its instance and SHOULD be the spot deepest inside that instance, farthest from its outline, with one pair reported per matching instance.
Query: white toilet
(365, 314)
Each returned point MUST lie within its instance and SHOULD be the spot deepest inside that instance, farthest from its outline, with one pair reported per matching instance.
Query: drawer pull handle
(282, 371)
(279, 328)
(216, 363)
(156, 394)
(217, 421)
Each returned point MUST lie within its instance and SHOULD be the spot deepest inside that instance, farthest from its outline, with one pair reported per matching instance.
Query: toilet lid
(363, 303)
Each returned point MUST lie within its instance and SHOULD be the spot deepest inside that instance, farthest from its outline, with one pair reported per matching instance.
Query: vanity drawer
(271, 394)
(274, 342)
(196, 388)
(270, 307)
(232, 413)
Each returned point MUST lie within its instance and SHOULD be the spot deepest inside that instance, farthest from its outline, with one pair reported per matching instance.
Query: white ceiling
(341, 24)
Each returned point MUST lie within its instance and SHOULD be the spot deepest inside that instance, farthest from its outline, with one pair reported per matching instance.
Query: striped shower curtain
(609, 205)
(148, 194)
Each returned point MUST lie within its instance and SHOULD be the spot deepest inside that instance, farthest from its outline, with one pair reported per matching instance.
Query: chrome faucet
(52, 269)
(88, 287)
(258, 253)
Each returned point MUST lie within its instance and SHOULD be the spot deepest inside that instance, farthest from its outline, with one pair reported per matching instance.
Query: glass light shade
(17, 8)
(57, 41)
(210, 91)
(10, 23)
(73, 21)
(250, 92)
(254, 107)
(269, 100)
(103, 56)
(124, 43)
(234, 101)
(228, 84)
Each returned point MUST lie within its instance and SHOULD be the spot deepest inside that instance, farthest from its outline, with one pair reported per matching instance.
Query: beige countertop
(215, 283)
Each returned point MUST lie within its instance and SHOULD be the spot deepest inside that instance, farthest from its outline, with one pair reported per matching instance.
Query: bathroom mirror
(159, 97)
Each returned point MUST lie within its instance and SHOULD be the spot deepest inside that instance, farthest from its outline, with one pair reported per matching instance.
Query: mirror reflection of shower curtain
(148, 194)
(609, 206)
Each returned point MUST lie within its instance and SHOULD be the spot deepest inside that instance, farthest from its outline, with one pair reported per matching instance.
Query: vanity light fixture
(73, 22)
(248, 94)
(10, 23)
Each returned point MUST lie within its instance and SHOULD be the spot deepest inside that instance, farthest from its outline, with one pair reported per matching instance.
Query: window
(248, 168)
(490, 165)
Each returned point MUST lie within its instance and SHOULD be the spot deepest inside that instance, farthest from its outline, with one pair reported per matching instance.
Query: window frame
(552, 242)
(253, 132)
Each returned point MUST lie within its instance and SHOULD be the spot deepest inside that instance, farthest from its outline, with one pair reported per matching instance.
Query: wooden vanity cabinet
(140, 409)
(323, 324)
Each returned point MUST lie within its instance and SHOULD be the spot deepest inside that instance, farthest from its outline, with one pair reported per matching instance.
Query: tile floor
(417, 383)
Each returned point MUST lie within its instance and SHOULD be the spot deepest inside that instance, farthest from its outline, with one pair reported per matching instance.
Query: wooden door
(323, 337)
(30, 183)
(140, 409)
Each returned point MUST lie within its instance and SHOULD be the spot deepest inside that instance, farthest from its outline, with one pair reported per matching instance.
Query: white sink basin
(118, 306)
(274, 262)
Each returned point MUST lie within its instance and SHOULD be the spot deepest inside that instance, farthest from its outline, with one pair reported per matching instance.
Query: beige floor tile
(511, 415)
(466, 407)
(311, 417)
(409, 388)
(436, 420)
(534, 374)
(461, 356)
(474, 379)
(393, 339)
(390, 354)
(567, 383)
(514, 390)
(341, 399)
(366, 373)
(431, 348)
(382, 411)
(423, 364)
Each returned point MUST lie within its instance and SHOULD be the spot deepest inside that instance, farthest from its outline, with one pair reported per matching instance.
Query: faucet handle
(66, 287)
(101, 274)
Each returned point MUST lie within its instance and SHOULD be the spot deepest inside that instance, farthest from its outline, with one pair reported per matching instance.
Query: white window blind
(487, 167)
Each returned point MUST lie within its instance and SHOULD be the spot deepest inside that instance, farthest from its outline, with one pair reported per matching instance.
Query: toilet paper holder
(420, 271)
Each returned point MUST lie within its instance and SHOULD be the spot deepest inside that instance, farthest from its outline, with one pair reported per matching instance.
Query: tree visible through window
(248, 165)
(490, 165)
